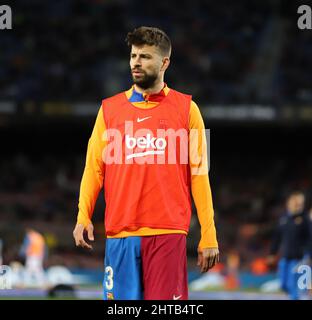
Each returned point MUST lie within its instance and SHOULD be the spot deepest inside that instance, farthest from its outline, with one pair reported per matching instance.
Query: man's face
(295, 203)
(146, 65)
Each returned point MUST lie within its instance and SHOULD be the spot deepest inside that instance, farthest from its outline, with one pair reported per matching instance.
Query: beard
(145, 81)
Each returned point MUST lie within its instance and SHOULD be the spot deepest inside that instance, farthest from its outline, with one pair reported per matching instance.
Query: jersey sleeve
(200, 186)
(93, 175)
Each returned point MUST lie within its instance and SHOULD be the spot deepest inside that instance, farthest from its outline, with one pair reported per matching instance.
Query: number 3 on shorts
(109, 283)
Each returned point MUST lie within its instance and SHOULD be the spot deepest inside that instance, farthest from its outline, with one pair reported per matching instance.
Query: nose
(137, 64)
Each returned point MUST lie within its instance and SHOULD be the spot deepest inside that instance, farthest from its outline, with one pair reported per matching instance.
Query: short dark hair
(150, 36)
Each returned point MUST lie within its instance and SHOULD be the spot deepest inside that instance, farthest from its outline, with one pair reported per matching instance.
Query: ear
(165, 64)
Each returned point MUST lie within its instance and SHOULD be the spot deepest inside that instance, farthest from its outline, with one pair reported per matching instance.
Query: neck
(158, 86)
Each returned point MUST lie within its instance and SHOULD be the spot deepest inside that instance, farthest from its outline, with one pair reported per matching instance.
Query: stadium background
(246, 64)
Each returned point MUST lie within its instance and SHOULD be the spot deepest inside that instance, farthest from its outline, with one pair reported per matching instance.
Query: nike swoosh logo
(177, 297)
(142, 119)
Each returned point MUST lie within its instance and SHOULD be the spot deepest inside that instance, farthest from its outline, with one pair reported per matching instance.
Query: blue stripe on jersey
(136, 96)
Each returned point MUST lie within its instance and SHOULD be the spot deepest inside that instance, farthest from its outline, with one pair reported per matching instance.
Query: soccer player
(147, 182)
(293, 237)
(34, 251)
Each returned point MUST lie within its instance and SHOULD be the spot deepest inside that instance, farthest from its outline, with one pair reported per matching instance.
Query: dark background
(226, 54)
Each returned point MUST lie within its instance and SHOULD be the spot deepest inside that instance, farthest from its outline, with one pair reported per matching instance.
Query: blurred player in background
(148, 205)
(293, 238)
(34, 250)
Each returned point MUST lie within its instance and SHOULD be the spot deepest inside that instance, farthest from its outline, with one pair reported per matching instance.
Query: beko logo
(157, 145)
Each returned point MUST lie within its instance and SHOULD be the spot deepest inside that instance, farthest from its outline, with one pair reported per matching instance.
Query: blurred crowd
(42, 193)
(75, 50)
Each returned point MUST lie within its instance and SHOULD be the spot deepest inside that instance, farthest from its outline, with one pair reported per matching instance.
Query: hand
(78, 235)
(207, 258)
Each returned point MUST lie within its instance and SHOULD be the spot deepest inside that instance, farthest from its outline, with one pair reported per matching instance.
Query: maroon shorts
(164, 267)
